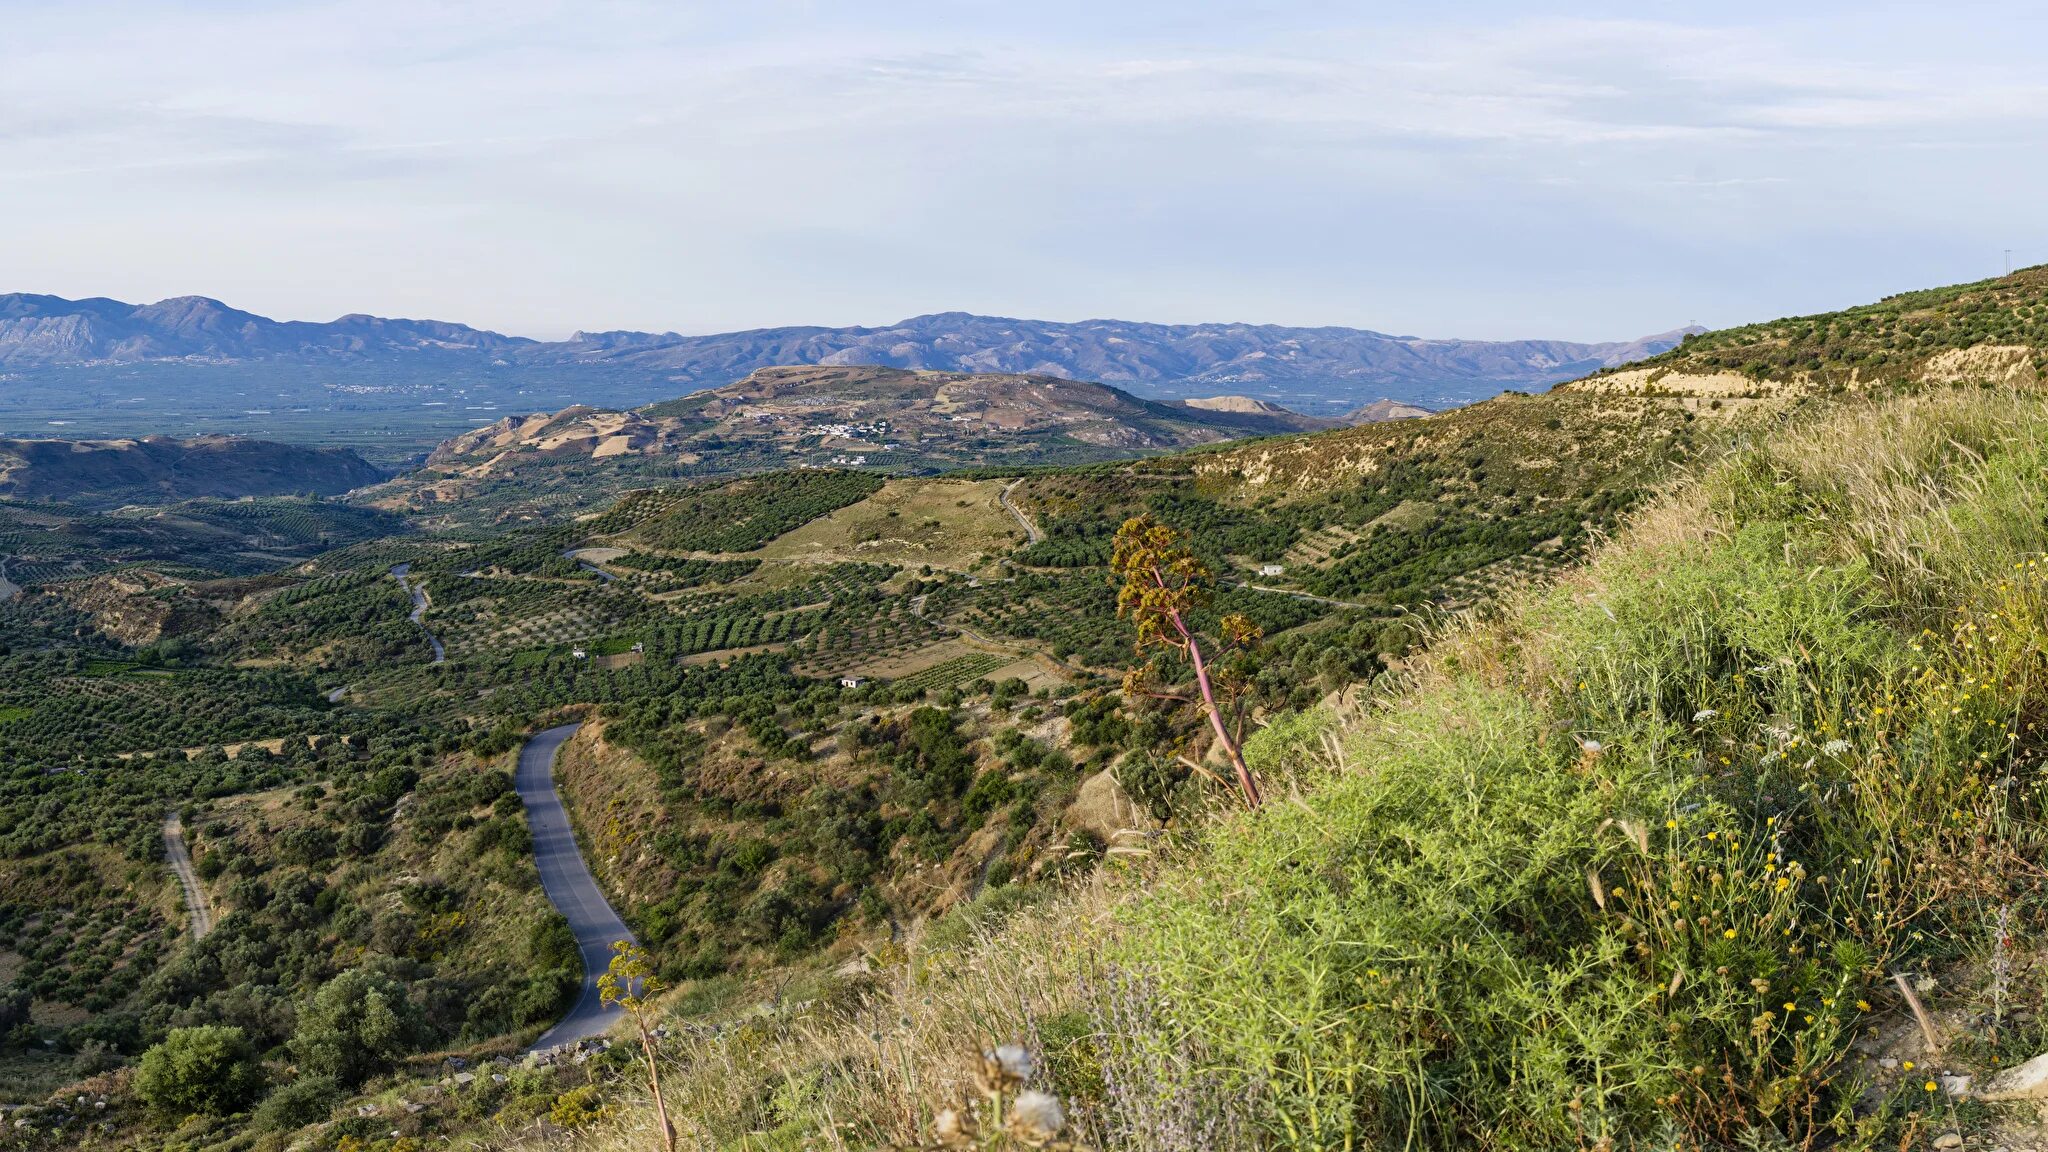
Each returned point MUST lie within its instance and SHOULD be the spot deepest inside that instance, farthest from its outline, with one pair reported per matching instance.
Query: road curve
(569, 885)
(181, 863)
(419, 608)
(1031, 533)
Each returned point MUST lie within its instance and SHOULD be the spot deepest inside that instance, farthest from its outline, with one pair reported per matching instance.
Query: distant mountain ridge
(47, 331)
(1178, 359)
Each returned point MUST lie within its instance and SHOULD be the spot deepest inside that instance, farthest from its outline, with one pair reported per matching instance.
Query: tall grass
(1632, 863)
(1635, 862)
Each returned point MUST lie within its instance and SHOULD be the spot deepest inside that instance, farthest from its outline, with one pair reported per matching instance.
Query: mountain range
(1339, 368)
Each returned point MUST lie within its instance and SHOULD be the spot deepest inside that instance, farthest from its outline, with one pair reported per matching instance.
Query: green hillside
(1621, 743)
(1900, 339)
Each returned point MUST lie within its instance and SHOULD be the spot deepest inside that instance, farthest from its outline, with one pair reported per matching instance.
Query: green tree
(209, 1071)
(355, 1025)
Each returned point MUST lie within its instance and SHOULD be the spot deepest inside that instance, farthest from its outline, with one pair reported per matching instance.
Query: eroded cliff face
(138, 607)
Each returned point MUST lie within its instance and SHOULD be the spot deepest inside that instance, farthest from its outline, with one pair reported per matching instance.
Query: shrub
(208, 1071)
(304, 1101)
(354, 1026)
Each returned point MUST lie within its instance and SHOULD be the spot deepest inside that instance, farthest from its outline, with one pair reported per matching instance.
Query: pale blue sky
(1588, 171)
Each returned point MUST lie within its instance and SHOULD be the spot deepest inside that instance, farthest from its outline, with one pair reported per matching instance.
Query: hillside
(1993, 331)
(1635, 863)
(1620, 744)
(885, 419)
(161, 469)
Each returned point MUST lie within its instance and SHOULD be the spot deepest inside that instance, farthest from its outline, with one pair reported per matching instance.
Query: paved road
(575, 554)
(181, 863)
(8, 588)
(1031, 533)
(419, 609)
(569, 886)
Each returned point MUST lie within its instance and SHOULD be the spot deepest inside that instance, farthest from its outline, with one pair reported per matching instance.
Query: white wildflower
(951, 1130)
(1704, 715)
(1835, 747)
(1015, 1061)
(1037, 1118)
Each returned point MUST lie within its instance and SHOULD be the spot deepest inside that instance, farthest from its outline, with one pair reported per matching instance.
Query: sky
(1481, 170)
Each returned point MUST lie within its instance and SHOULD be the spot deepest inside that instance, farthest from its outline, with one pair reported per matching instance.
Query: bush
(355, 1026)
(205, 1071)
(304, 1101)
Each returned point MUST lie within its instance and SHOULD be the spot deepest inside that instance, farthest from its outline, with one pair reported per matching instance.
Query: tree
(630, 983)
(356, 1024)
(208, 1071)
(1164, 582)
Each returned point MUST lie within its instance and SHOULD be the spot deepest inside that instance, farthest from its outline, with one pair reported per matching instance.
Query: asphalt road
(569, 886)
(1031, 533)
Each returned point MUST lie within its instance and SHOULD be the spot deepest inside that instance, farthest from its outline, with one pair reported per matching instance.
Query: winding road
(576, 554)
(8, 588)
(181, 863)
(569, 885)
(1031, 533)
(419, 608)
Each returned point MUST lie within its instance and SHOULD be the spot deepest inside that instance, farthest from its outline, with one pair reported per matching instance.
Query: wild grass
(1636, 862)
(1633, 863)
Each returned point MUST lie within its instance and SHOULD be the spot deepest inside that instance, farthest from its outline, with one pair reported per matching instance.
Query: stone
(1948, 1140)
(1104, 811)
(2028, 1081)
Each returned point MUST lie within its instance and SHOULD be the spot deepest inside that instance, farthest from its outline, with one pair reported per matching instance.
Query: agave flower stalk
(1164, 581)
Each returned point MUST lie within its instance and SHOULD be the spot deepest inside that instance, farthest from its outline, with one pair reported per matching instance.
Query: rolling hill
(862, 417)
(161, 469)
(1990, 331)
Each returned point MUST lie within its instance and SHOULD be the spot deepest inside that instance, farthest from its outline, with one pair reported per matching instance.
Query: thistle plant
(1011, 1115)
(629, 981)
(1164, 583)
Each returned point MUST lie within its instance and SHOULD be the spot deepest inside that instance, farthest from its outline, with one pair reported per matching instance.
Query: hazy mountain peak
(1330, 368)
